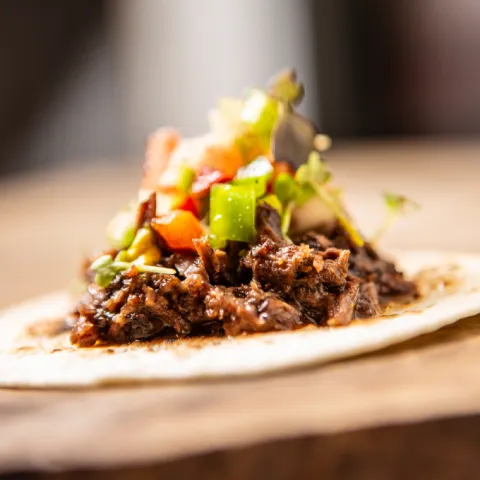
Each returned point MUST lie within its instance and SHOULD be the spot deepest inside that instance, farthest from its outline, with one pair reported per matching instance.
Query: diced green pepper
(260, 112)
(144, 246)
(143, 240)
(259, 184)
(216, 242)
(285, 188)
(260, 167)
(232, 213)
(122, 256)
(121, 229)
(256, 173)
(186, 177)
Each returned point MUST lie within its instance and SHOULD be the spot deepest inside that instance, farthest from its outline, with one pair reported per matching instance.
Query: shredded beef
(222, 266)
(268, 225)
(147, 210)
(270, 285)
(250, 309)
(368, 304)
(140, 306)
(341, 308)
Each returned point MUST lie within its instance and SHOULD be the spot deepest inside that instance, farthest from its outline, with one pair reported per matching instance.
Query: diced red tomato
(178, 229)
(160, 146)
(224, 158)
(166, 202)
(282, 167)
(189, 204)
(278, 168)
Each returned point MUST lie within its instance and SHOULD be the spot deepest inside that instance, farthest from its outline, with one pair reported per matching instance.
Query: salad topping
(259, 150)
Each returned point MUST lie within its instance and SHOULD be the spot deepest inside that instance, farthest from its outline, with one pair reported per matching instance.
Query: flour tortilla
(33, 356)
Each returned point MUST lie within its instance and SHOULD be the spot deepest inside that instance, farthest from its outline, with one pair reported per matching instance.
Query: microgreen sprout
(316, 175)
(106, 269)
(395, 206)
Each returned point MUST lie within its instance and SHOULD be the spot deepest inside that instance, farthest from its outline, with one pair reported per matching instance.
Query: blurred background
(89, 79)
(396, 84)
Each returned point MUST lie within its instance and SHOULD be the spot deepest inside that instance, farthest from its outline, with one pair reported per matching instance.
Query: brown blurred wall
(88, 79)
(400, 67)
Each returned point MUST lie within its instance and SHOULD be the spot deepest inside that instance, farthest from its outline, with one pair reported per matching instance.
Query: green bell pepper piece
(285, 188)
(186, 177)
(260, 112)
(121, 229)
(256, 173)
(232, 214)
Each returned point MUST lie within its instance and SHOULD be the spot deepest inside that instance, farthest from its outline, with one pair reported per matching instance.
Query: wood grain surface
(441, 449)
(433, 376)
(63, 213)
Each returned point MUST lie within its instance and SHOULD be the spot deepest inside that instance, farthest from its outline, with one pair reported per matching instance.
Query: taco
(237, 256)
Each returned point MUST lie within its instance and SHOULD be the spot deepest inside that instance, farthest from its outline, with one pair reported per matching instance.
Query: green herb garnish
(310, 180)
(395, 206)
(106, 269)
(285, 87)
(260, 112)
(287, 219)
(290, 193)
(273, 201)
(315, 174)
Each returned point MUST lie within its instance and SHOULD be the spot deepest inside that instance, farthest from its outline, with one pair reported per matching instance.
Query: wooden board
(444, 449)
(431, 377)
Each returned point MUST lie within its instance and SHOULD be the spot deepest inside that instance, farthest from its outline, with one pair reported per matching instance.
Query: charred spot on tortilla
(240, 231)
(48, 328)
(432, 279)
(26, 349)
(165, 343)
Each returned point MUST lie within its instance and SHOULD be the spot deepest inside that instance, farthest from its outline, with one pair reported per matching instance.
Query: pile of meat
(271, 285)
